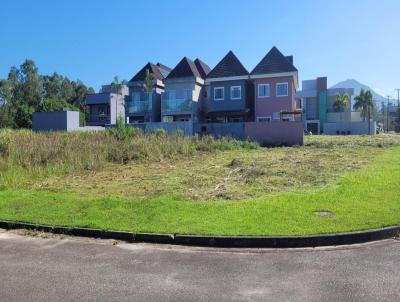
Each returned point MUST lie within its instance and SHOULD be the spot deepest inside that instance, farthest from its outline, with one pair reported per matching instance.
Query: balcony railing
(140, 102)
(181, 102)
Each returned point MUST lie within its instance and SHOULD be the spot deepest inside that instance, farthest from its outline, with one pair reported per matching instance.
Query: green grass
(368, 197)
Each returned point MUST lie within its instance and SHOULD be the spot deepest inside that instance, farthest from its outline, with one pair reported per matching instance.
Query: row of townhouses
(191, 91)
(263, 104)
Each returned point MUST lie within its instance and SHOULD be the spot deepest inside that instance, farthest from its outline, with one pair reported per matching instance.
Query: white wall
(356, 128)
(117, 107)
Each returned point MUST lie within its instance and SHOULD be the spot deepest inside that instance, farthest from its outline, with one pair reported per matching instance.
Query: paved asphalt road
(78, 269)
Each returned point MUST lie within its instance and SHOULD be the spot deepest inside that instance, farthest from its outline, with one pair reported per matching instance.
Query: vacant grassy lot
(210, 187)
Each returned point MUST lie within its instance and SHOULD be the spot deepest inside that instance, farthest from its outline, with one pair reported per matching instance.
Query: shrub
(4, 145)
(123, 132)
(160, 132)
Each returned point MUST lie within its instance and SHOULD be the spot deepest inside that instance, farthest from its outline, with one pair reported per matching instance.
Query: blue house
(230, 92)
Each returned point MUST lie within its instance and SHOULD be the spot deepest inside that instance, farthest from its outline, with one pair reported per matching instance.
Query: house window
(263, 119)
(168, 119)
(282, 89)
(219, 93)
(236, 92)
(263, 90)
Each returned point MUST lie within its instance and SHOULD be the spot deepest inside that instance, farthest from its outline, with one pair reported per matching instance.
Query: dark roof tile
(274, 62)
(229, 66)
(202, 67)
(165, 67)
(185, 68)
(154, 69)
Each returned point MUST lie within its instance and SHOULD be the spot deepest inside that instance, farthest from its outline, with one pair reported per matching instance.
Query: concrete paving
(79, 269)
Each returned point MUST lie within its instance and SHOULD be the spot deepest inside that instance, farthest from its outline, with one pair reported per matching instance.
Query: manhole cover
(324, 214)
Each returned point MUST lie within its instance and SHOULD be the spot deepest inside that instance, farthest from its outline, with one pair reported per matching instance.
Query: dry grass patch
(232, 175)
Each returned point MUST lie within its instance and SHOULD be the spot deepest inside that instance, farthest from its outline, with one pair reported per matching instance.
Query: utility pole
(398, 97)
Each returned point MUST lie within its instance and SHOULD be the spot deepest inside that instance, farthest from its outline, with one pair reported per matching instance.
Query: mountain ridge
(357, 86)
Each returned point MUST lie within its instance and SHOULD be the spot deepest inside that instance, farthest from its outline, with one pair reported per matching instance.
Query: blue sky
(95, 40)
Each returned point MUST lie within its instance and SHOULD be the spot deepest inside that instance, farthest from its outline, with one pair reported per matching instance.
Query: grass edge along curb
(218, 241)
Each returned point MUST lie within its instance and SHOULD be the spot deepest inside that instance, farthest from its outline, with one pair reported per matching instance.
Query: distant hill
(357, 86)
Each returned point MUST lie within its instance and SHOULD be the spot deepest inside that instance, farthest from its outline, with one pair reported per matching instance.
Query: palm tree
(342, 102)
(365, 102)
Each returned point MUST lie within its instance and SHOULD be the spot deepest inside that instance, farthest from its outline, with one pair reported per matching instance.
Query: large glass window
(263, 90)
(282, 89)
(219, 93)
(136, 96)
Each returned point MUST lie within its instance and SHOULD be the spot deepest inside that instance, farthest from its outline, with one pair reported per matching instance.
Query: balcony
(140, 102)
(177, 102)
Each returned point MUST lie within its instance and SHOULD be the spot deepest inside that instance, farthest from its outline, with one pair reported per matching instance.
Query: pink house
(275, 83)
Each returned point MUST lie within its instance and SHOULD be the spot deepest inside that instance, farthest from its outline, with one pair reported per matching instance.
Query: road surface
(80, 269)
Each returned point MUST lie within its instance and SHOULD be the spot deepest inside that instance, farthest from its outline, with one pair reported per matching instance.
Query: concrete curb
(217, 241)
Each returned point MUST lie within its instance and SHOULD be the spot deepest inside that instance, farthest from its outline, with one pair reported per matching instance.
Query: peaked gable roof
(229, 66)
(185, 68)
(274, 62)
(154, 69)
(162, 66)
(202, 67)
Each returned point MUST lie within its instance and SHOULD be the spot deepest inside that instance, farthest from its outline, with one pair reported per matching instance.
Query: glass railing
(178, 103)
(141, 102)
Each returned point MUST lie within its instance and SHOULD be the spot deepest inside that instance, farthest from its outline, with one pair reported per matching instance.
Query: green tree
(25, 86)
(32, 85)
(7, 115)
(23, 116)
(56, 104)
(365, 102)
(342, 102)
(148, 81)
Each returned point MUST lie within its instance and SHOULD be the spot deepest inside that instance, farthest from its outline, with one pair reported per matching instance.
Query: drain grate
(324, 213)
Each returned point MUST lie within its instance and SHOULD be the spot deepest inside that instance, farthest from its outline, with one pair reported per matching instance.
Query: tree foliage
(365, 102)
(148, 80)
(25, 91)
(342, 102)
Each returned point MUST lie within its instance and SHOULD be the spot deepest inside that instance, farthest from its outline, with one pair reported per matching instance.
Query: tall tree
(25, 90)
(148, 81)
(32, 84)
(342, 102)
(365, 102)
